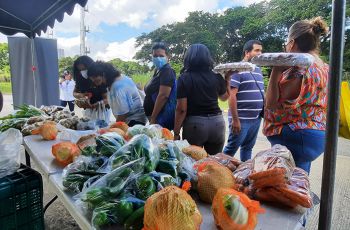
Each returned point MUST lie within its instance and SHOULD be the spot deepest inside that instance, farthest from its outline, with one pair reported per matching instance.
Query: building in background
(60, 53)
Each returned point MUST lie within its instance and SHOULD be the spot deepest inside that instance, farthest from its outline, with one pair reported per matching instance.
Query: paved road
(58, 218)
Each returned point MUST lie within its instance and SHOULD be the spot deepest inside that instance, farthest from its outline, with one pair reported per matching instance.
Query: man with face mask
(245, 105)
(160, 99)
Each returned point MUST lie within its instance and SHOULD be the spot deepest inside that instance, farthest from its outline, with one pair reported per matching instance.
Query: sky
(115, 24)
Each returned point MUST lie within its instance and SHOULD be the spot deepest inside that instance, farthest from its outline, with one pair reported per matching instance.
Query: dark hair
(249, 45)
(160, 45)
(104, 69)
(198, 57)
(82, 60)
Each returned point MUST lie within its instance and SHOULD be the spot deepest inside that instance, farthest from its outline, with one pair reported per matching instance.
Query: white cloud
(124, 50)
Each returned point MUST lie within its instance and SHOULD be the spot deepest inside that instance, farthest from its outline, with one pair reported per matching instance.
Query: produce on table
(211, 177)
(65, 152)
(109, 143)
(167, 134)
(230, 162)
(145, 187)
(24, 111)
(295, 192)
(139, 146)
(241, 175)
(234, 210)
(272, 168)
(195, 152)
(47, 130)
(110, 186)
(150, 130)
(117, 130)
(87, 140)
(121, 125)
(81, 170)
(171, 208)
(16, 123)
(135, 220)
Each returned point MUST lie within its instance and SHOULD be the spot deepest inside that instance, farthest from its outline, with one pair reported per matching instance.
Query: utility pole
(83, 31)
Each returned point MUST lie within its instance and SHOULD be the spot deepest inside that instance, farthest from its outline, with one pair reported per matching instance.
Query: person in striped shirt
(245, 105)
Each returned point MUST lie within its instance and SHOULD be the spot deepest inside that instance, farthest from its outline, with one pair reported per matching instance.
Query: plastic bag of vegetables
(171, 208)
(139, 146)
(81, 170)
(109, 143)
(125, 211)
(234, 210)
(150, 130)
(111, 185)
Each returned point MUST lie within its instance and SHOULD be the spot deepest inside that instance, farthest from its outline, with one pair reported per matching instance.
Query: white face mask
(84, 74)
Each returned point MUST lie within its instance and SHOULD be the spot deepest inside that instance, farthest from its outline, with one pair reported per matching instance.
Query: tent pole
(33, 69)
(334, 81)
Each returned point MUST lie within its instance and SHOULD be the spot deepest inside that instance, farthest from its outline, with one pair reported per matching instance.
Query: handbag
(262, 95)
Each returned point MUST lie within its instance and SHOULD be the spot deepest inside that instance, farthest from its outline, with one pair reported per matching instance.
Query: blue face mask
(159, 62)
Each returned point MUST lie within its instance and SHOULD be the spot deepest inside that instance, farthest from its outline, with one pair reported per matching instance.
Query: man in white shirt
(67, 86)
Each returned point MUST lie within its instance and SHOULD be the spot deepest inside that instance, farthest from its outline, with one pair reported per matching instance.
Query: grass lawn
(5, 87)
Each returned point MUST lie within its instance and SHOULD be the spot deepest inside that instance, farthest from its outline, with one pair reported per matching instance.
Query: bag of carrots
(272, 167)
(234, 210)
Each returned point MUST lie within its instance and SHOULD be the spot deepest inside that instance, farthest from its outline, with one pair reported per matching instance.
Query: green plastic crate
(21, 200)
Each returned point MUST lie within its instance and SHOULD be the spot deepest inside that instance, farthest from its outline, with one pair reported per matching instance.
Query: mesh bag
(171, 209)
(195, 152)
(234, 210)
(211, 177)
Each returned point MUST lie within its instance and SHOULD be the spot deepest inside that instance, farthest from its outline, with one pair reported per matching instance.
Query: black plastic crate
(21, 200)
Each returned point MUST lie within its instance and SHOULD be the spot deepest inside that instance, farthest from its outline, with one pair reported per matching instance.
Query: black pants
(70, 104)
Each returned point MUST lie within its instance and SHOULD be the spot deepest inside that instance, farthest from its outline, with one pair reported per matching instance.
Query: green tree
(66, 63)
(129, 67)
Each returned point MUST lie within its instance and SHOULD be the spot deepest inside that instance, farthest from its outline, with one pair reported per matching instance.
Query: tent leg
(334, 81)
(33, 71)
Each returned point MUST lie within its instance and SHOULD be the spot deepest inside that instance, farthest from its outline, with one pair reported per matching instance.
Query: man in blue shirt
(245, 105)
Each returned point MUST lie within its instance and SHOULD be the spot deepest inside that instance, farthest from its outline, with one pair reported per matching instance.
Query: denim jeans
(245, 139)
(305, 144)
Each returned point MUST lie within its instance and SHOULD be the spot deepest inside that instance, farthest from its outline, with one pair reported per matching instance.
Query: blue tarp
(31, 17)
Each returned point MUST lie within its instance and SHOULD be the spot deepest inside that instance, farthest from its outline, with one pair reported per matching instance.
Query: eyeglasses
(285, 44)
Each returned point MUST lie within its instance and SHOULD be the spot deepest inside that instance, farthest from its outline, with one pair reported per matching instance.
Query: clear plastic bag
(139, 146)
(81, 170)
(276, 157)
(272, 168)
(109, 143)
(10, 149)
(108, 187)
(230, 162)
(283, 59)
(72, 135)
(153, 131)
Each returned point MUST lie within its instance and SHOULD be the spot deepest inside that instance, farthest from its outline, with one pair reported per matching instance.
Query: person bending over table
(90, 97)
(197, 109)
(296, 98)
(122, 93)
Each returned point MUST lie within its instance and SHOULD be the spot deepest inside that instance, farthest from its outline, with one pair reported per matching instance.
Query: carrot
(270, 181)
(270, 172)
(296, 197)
